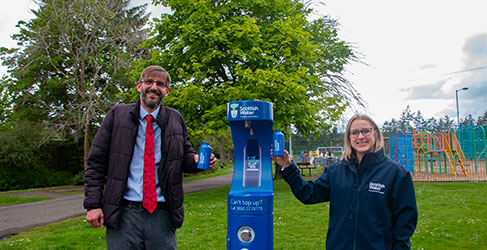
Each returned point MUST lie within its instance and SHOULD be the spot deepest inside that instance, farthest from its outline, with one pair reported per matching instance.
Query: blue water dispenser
(250, 200)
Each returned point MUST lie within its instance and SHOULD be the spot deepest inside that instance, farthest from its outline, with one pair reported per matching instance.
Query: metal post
(456, 98)
(290, 143)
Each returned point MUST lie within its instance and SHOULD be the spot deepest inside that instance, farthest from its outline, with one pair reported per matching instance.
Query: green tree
(406, 119)
(469, 120)
(221, 51)
(420, 124)
(482, 120)
(391, 127)
(444, 124)
(21, 160)
(71, 62)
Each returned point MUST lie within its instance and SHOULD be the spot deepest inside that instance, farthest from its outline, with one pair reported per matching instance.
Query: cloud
(473, 76)
(475, 49)
(428, 66)
(427, 91)
(474, 100)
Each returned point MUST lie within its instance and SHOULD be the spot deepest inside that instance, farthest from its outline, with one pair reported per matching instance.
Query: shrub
(23, 163)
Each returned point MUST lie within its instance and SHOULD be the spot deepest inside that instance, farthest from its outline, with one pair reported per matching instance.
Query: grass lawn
(207, 174)
(6, 200)
(37, 189)
(453, 215)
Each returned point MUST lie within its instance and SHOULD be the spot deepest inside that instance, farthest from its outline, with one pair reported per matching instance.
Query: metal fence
(456, 155)
(429, 157)
(440, 170)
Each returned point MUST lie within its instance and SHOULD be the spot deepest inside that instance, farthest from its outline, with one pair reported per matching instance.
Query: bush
(24, 164)
(33, 178)
(79, 178)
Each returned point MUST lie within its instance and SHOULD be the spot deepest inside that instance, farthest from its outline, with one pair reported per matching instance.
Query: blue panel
(250, 200)
(401, 150)
(263, 232)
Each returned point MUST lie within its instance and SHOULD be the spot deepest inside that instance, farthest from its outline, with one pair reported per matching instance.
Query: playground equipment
(443, 153)
(250, 200)
(444, 145)
(431, 148)
(473, 141)
(453, 150)
(401, 148)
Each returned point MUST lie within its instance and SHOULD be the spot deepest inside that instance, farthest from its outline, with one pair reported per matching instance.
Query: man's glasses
(149, 82)
(364, 132)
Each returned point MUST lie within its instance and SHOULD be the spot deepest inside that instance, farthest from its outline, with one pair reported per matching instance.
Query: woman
(372, 200)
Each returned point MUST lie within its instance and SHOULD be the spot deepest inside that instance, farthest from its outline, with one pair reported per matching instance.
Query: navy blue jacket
(372, 204)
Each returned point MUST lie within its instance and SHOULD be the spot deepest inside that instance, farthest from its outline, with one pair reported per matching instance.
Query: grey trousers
(138, 229)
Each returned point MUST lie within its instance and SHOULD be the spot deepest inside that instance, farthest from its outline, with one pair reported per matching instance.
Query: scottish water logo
(250, 110)
(234, 110)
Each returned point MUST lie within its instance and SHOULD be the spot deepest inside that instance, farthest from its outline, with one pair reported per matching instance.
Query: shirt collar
(143, 113)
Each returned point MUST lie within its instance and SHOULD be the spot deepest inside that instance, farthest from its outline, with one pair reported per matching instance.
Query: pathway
(65, 205)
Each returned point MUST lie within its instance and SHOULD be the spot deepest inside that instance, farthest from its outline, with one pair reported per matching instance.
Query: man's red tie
(149, 193)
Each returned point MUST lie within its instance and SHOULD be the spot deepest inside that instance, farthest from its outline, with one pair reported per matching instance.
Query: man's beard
(147, 102)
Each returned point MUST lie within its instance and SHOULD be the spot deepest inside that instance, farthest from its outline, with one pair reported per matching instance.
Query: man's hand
(95, 217)
(213, 160)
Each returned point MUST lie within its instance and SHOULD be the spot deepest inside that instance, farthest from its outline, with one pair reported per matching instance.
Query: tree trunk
(222, 152)
(230, 156)
(277, 173)
(86, 145)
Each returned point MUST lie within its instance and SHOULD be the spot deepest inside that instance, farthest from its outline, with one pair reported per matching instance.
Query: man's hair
(348, 151)
(155, 70)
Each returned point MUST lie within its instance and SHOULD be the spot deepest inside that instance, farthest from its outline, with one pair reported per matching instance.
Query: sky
(415, 52)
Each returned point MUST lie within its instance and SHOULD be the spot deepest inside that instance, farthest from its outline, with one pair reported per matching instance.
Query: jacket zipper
(356, 210)
(356, 217)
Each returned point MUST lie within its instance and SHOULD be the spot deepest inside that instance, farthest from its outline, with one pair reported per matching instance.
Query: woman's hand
(283, 161)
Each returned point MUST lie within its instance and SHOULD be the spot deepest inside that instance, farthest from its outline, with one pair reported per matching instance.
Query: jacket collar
(134, 112)
(369, 159)
(373, 158)
(161, 119)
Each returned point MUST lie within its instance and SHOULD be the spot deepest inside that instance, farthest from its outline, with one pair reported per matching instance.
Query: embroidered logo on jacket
(377, 187)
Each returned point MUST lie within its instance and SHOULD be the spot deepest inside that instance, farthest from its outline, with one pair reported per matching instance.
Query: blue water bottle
(278, 143)
(204, 156)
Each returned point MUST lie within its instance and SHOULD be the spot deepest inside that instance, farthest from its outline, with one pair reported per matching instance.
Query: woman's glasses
(364, 132)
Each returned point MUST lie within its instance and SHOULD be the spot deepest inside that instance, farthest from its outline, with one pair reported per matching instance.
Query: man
(133, 181)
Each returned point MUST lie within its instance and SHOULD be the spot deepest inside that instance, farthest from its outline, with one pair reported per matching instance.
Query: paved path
(22, 217)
